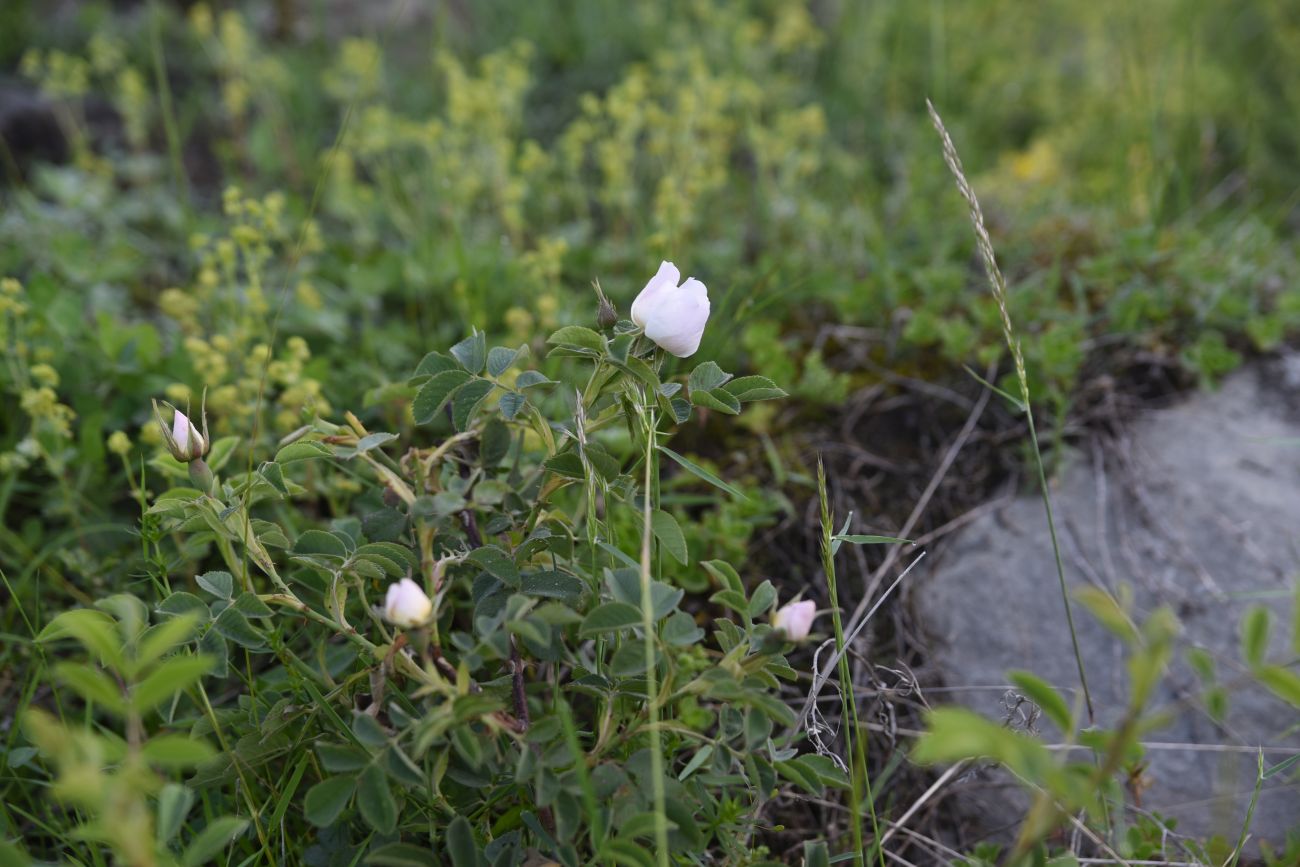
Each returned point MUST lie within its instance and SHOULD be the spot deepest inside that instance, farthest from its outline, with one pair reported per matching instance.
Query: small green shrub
(530, 684)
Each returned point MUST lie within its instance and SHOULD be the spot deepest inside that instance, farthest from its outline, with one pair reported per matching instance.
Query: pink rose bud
(795, 619)
(184, 439)
(186, 436)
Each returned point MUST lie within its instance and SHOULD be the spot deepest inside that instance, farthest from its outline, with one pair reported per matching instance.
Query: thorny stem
(854, 740)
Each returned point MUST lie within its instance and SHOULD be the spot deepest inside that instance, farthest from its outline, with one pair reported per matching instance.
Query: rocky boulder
(1195, 507)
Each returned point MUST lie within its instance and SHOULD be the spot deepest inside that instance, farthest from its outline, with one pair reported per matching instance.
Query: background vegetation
(289, 205)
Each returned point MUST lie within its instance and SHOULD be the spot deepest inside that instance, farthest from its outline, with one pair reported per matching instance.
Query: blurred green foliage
(295, 220)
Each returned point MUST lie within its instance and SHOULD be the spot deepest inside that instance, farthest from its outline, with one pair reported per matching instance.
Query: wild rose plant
(483, 662)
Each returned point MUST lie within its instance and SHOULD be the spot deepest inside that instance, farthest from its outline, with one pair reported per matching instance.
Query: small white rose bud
(407, 605)
(672, 316)
(795, 619)
(184, 439)
(186, 436)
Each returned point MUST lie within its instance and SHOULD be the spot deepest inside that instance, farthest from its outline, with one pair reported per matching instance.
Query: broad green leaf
(640, 370)
(707, 376)
(433, 364)
(1043, 694)
(625, 585)
(174, 803)
(400, 855)
(621, 850)
(697, 761)
(320, 543)
(375, 799)
(610, 617)
(532, 378)
(567, 464)
(367, 443)
(680, 630)
(12, 856)
(164, 637)
(95, 630)
(326, 800)
(184, 603)
(461, 846)
(510, 404)
(1104, 607)
(132, 615)
(716, 400)
(815, 854)
(219, 584)
(177, 751)
(435, 393)
(761, 599)
(212, 839)
(1254, 635)
(701, 473)
(748, 388)
(825, 769)
(170, 677)
(553, 585)
(232, 624)
(577, 336)
(643, 824)
(274, 475)
(342, 757)
(368, 730)
(681, 816)
(91, 684)
(954, 733)
(471, 352)
(733, 599)
(250, 606)
(213, 644)
(467, 400)
(725, 574)
(303, 450)
(392, 550)
(497, 563)
(630, 659)
(669, 534)
(1284, 683)
(500, 359)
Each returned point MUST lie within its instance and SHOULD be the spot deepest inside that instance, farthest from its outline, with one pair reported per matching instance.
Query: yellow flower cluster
(65, 76)
(245, 72)
(11, 303)
(35, 385)
(236, 367)
(41, 404)
(59, 74)
(359, 75)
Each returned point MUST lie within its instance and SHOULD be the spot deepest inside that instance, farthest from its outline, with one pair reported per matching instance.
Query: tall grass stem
(999, 286)
(854, 739)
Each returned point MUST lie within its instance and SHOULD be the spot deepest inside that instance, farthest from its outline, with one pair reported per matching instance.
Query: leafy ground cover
(308, 226)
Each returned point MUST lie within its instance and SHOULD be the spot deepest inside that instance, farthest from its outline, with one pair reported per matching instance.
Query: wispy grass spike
(998, 284)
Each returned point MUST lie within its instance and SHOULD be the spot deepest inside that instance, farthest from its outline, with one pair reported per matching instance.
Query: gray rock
(29, 129)
(1196, 507)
